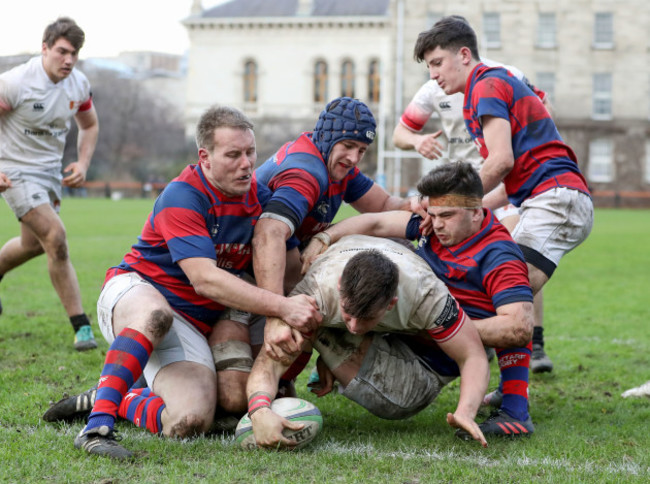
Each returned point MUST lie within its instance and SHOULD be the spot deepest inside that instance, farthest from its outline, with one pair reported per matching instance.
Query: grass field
(597, 315)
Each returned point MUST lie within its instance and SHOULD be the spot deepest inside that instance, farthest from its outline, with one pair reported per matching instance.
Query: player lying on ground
(391, 335)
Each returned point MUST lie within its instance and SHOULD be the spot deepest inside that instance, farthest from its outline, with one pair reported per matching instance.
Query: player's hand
(281, 342)
(301, 312)
(428, 146)
(426, 225)
(268, 427)
(326, 379)
(460, 421)
(5, 182)
(77, 175)
(311, 253)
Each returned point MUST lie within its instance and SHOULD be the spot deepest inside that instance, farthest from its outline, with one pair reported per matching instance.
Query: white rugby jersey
(32, 134)
(431, 98)
(422, 297)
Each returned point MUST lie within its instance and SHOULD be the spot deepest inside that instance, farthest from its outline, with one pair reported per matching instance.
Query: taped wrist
(324, 238)
(258, 400)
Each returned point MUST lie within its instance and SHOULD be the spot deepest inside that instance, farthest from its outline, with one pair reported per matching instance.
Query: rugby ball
(294, 409)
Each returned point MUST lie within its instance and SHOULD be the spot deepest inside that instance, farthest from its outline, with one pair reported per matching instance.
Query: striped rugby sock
(144, 408)
(514, 363)
(125, 360)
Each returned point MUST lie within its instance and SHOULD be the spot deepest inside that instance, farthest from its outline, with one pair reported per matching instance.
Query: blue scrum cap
(343, 118)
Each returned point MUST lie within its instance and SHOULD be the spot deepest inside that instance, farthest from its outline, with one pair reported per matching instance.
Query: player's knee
(232, 392)
(160, 321)
(189, 425)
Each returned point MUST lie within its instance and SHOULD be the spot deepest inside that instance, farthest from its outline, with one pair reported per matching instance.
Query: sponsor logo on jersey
(322, 208)
(38, 107)
(445, 105)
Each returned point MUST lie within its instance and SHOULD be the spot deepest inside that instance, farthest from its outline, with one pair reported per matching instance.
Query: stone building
(282, 60)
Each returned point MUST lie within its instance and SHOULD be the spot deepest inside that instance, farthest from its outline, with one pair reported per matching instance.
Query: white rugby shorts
(183, 342)
(554, 222)
(29, 189)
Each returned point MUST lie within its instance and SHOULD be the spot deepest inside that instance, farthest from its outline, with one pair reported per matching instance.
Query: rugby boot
(102, 441)
(72, 408)
(503, 425)
(84, 339)
(539, 361)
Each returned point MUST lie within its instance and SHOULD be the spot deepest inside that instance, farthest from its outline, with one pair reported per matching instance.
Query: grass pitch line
(626, 468)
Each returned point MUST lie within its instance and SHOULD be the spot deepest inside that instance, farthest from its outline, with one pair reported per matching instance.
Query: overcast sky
(111, 27)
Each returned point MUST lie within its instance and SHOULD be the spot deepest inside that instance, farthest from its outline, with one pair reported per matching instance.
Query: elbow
(522, 333)
(201, 288)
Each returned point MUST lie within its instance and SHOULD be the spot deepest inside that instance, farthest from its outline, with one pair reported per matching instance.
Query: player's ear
(465, 55)
(392, 303)
(204, 157)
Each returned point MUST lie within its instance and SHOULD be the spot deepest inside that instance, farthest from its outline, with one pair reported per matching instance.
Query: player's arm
(269, 253)
(382, 224)
(467, 351)
(261, 388)
(86, 142)
(512, 327)
(500, 160)
(496, 198)
(426, 144)
(379, 200)
(219, 285)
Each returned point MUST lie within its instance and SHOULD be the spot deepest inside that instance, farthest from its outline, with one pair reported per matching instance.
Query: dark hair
(368, 283)
(64, 27)
(219, 117)
(458, 178)
(450, 33)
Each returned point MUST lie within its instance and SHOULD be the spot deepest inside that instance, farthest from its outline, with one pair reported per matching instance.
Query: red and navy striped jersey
(191, 218)
(302, 190)
(483, 272)
(542, 160)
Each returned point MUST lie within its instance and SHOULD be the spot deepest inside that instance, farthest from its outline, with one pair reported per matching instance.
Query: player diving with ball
(391, 335)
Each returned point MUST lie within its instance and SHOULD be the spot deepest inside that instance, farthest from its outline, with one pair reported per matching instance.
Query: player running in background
(37, 101)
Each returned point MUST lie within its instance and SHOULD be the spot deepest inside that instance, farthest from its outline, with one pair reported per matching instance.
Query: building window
(320, 82)
(250, 82)
(374, 80)
(492, 30)
(347, 79)
(604, 30)
(546, 30)
(601, 160)
(546, 82)
(602, 100)
(647, 162)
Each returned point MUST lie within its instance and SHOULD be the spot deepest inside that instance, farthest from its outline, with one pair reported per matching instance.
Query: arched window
(250, 82)
(373, 81)
(347, 78)
(320, 82)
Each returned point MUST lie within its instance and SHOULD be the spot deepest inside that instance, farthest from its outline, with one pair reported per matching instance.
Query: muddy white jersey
(423, 300)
